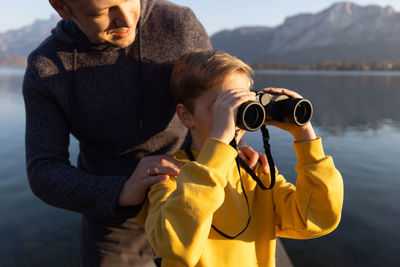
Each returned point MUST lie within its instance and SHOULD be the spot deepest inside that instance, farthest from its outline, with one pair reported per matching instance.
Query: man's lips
(122, 33)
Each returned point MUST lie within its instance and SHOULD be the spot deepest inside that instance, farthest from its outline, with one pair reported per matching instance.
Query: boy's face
(202, 111)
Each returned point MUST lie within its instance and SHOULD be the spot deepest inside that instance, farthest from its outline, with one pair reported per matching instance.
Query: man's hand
(149, 171)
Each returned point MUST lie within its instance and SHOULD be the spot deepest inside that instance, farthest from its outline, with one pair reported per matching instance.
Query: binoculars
(268, 107)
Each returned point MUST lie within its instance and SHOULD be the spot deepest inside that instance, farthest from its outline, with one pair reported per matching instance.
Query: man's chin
(121, 42)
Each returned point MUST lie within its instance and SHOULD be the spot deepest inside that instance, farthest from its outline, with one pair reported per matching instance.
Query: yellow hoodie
(179, 212)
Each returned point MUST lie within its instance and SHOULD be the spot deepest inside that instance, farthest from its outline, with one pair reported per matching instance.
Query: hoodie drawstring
(75, 59)
(140, 78)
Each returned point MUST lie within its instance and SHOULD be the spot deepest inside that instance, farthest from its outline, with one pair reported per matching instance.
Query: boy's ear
(185, 116)
(62, 9)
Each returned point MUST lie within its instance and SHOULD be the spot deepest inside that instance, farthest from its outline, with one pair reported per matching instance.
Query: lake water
(358, 116)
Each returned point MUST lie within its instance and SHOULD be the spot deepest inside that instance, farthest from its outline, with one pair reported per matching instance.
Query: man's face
(110, 22)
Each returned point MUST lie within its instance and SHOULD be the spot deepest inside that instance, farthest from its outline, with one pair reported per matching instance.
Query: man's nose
(123, 17)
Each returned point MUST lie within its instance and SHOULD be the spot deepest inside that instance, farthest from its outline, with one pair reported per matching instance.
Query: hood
(146, 6)
(69, 33)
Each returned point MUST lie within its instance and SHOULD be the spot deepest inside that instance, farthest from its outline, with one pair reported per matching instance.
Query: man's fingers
(152, 180)
(156, 165)
(149, 171)
(163, 160)
(158, 170)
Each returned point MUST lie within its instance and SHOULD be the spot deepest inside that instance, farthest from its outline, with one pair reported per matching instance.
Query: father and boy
(103, 76)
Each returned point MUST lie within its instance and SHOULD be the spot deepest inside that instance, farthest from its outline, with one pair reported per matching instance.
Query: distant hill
(11, 60)
(19, 43)
(343, 32)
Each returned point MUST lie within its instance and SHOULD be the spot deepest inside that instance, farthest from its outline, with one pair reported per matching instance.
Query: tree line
(383, 65)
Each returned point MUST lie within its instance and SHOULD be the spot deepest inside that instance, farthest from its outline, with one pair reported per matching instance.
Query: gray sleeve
(51, 176)
(201, 39)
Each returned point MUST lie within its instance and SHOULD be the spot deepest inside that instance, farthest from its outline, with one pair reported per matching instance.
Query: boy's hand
(300, 133)
(149, 171)
(224, 112)
(252, 157)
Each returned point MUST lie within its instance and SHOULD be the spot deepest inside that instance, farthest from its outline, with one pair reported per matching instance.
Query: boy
(214, 214)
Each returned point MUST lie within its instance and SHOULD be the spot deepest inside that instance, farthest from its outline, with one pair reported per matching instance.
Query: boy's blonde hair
(198, 71)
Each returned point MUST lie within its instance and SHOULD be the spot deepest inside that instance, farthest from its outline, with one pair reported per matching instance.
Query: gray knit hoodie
(112, 100)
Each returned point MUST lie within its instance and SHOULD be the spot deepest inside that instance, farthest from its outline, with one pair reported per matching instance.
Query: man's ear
(62, 9)
(185, 116)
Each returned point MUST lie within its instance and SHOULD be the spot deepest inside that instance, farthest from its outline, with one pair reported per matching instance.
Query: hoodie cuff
(309, 152)
(217, 155)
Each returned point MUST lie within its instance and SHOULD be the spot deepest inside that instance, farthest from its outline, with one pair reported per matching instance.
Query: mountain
(343, 32)
(19, 43)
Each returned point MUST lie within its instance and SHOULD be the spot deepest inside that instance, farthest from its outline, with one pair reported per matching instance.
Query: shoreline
(5, 70)
(330, 72)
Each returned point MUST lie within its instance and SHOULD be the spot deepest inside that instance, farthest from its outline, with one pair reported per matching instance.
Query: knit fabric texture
(115, 101)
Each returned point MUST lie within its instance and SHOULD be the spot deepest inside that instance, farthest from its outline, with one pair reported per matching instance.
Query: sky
(215, 15)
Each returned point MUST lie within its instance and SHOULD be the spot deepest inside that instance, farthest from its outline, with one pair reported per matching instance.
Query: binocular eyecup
(268, 107)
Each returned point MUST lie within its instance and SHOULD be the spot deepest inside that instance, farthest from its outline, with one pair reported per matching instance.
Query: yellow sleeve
(312, 208)
(180, 211)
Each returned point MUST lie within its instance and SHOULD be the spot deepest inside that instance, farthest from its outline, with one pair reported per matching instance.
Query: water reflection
(31, 232)
(10, 87)
(344, 102)
(12, 113)
(11, 79)
(360, 120)
(358, 112)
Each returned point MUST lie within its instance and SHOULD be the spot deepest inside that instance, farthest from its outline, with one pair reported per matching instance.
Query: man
(103, 76)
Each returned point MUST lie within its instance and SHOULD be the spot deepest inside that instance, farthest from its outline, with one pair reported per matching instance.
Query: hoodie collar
(69, 33)
(146, 6)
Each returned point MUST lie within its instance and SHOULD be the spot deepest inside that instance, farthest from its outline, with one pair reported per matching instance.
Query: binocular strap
(267, 149)
(191, 157)
(240, 162)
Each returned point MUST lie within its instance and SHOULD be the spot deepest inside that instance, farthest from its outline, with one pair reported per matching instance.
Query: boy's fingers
(230, 95)
(242, 156)
(253, 159)
(276, 169)
(250, 155)
(282, 91)
(264, 163)
(240, 99)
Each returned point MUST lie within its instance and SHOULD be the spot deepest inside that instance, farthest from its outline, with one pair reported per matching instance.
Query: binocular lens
(251, 116)
(303, 112)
